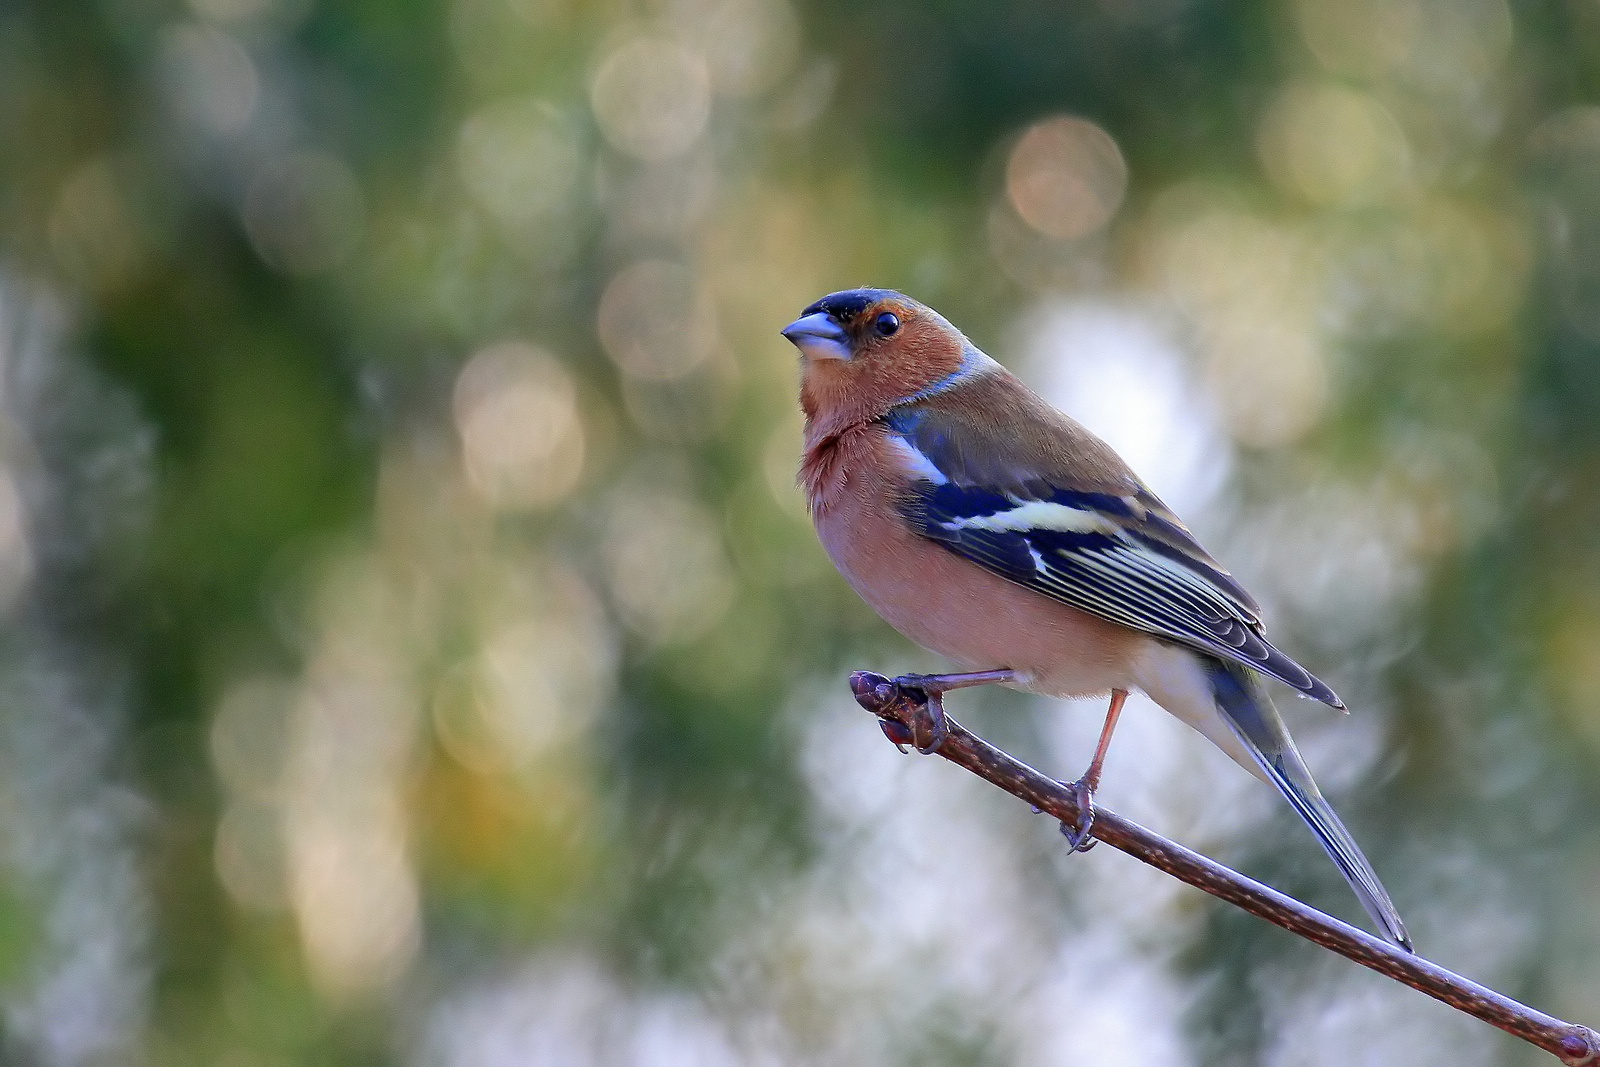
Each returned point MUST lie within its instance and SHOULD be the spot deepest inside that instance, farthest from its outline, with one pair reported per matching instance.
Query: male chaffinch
(987, 526)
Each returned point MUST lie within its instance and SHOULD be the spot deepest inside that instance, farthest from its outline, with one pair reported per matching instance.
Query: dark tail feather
(1249, 711)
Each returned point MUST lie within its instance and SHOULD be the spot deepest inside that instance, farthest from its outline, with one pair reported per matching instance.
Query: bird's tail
(1253, 719)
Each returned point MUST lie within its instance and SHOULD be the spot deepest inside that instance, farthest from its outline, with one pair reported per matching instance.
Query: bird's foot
(909, 708)
(927, 727)
(1078, 835)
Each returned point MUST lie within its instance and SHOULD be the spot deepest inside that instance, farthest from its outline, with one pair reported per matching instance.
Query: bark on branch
(903, 718)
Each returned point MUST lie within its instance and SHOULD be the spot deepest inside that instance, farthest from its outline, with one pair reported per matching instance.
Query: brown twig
(904, 717)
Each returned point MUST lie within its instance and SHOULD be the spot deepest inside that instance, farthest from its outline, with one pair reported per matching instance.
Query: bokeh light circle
(652, 98)
(1066, 177)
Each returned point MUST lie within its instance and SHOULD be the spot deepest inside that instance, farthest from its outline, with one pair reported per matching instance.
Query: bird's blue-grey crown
(847, 304)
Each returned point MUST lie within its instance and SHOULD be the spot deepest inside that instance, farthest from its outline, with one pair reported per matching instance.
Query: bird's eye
(886, 323)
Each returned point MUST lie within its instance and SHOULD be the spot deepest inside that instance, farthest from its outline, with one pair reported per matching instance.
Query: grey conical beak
(818, 336)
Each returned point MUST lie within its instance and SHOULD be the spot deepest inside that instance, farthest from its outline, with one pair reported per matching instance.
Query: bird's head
(864, 350)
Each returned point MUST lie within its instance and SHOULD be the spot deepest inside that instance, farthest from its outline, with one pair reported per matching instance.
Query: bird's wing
(1113, 550)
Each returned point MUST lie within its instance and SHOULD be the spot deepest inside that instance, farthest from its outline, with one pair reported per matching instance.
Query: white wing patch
(1039, 515)
(914, 461)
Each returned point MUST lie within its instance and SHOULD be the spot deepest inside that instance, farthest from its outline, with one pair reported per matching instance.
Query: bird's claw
(928, 727)
(1078, 836)
(898, 733)
(922, 726)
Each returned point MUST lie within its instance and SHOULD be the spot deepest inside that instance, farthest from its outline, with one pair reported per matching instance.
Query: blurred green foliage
(418, 651)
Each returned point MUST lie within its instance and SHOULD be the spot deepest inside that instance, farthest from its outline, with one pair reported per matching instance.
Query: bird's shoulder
(993, 431)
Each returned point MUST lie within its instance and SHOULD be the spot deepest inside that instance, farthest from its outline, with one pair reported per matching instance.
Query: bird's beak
(818, 337)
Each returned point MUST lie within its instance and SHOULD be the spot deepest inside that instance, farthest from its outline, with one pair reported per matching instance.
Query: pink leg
(1078, 836)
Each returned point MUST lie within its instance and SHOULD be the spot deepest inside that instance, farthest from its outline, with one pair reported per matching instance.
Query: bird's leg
(929, 732)
(1083, 789)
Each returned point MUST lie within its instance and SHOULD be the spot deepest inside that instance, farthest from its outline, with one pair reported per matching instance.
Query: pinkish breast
(942, 601)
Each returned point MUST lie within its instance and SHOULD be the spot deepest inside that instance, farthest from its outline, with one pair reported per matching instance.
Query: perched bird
(987, 526)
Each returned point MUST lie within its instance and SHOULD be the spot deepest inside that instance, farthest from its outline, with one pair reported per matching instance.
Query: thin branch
(903, 718)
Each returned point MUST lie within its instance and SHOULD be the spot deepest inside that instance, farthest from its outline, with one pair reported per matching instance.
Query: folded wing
(1120, 555)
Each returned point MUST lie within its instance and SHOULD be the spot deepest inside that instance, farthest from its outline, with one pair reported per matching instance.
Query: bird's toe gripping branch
(1078, 834)
(908, 713)
(912, 705)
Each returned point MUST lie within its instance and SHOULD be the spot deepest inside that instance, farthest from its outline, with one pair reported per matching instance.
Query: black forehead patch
(849, 303)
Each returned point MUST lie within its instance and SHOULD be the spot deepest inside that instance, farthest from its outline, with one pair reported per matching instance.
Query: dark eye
(886, 324)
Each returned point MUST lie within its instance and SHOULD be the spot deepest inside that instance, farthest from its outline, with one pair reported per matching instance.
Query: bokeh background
(415, 648)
